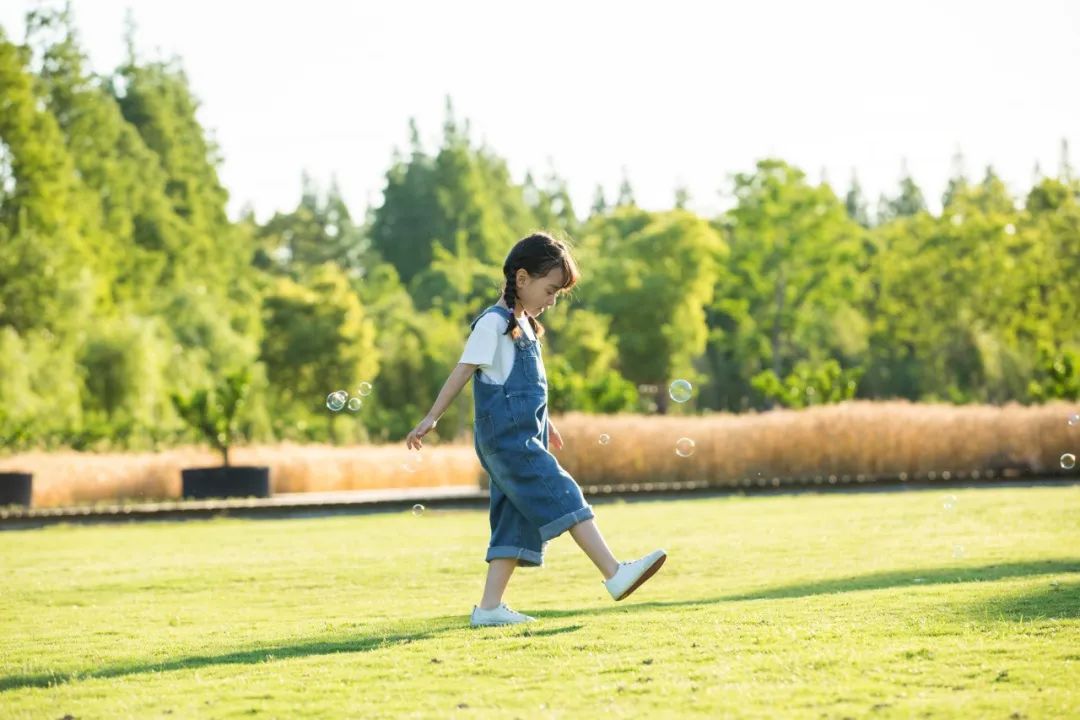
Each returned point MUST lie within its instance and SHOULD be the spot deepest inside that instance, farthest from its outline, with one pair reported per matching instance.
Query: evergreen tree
(957, 181)
(1065, 173)
(855, 203)
(682, 197)
(626, 192)
(910, 200)
(599, 203)
(46, 263)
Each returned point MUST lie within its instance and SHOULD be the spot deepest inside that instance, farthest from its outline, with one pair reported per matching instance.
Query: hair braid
(510, 298)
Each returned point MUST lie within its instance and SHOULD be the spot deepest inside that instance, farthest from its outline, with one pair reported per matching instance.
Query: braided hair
(537, 254)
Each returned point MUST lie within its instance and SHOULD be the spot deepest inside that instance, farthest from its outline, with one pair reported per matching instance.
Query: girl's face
(538, 294)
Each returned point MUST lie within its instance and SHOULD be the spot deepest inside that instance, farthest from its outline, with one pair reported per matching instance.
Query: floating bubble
(417, 509)
(336, 400)
(684, 447)
(1068, 461)
(605, 438)
(412, 464)
(364, 389)
(1010, 229)
(958, 551)
(1074, 419)
(680, 390)
(949, 503)
(355, 403)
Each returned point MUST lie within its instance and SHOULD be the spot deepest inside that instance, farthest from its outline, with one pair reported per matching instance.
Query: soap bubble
(605, 438)
(412, 464)
(365, 389)
(417, 509)
(1068, 461)
(355, 403)
(958, 551)
(336, 400)
(1074, 419)
(680, 391)
(684, 447)
(949, 503)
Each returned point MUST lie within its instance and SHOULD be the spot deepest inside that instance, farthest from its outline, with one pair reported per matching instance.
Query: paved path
(313, 504)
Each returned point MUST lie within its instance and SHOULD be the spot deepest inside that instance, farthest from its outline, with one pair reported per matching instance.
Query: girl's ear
(522, 277)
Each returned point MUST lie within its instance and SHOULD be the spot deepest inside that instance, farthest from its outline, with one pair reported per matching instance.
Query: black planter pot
(15, 488)
(233, 481)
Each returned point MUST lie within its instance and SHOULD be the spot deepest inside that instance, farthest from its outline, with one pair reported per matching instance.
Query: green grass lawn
(818, 605)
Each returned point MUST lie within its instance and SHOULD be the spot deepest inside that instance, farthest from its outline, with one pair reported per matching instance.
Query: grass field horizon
(943, 603)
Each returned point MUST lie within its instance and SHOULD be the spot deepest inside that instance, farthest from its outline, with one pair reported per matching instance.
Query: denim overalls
(533, 499)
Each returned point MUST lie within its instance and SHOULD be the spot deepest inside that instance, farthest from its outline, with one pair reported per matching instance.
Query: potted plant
(212, 412)
(16, 487)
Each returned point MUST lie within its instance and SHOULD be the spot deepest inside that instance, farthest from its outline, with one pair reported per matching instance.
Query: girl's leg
(499, 572)
(589, 539)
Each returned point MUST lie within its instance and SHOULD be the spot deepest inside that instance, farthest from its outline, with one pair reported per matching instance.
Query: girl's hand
(426, 425)
(554, 437)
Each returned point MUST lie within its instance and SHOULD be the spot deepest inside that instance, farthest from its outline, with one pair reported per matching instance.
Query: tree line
(123, 281)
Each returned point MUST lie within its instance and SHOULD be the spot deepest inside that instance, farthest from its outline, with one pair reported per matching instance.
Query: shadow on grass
(919, 577)
(377, 640)
(1055, 600)
(528, 631)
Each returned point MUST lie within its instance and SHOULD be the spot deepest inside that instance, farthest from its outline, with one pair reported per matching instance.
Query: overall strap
(497, 308)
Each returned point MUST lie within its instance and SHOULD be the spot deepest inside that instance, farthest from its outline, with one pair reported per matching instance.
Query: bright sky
(674, 92)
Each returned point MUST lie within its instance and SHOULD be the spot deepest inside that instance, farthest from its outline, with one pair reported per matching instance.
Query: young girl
(533, 499)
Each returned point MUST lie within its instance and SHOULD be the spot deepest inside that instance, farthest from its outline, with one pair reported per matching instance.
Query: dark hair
(537, 254)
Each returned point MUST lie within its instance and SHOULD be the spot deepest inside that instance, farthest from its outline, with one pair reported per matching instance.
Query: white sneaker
(500, 615)
(631, 575)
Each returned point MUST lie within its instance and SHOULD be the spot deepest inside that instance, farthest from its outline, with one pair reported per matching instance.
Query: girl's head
(537, 270)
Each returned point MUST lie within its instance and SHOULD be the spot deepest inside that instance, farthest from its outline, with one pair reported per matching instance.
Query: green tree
(654, 282)
(213, 411)
(792, 288)
(626, 192)
(909, 201)
(808, 385)
(599, 203)
(318, 339)
(958, 182)
(582, 358)
(682, 197)
(463, 190)
(855, 203)
(409, 219)
(46, 264)
(320, 230)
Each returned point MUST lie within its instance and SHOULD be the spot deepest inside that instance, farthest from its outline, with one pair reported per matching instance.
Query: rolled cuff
(560, 525)
(525, 557)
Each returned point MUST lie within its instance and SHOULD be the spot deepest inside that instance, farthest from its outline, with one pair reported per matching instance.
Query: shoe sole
(644, 576)
(500, 624)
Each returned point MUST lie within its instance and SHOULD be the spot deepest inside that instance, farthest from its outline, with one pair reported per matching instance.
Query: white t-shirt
(492, 349)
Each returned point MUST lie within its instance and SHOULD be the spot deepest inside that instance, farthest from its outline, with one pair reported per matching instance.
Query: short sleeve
(482, 343)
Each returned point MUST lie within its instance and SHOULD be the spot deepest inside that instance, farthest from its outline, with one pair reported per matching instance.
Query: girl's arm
(458, 377)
